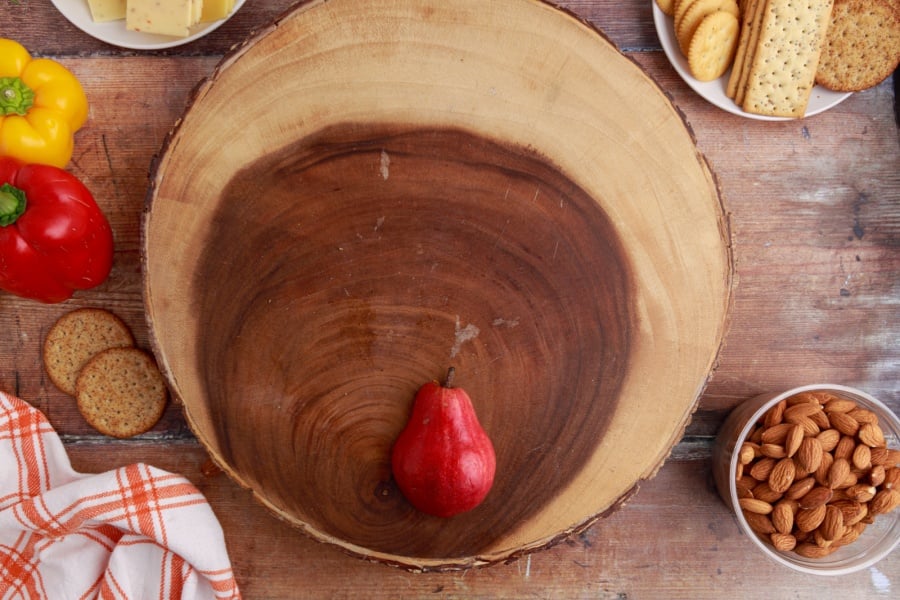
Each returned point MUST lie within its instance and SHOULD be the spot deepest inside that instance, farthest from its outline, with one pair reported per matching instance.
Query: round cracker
(75, 338)
(694, 15)
(680, 7)
(713, 45)
(121, 392)
(862, 45)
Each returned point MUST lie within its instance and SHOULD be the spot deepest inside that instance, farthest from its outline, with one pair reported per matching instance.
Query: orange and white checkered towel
(133, 533)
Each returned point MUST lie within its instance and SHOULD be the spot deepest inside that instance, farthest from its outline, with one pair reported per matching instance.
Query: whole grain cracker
(787, 54)
(121, 392)
(713, 45)
(76, 337)
(862, 45)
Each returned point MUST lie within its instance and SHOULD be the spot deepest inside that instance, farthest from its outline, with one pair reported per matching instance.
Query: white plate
(114, 32)
(820, 100)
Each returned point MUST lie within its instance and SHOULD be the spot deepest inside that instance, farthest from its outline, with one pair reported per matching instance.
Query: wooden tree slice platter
(365, 194)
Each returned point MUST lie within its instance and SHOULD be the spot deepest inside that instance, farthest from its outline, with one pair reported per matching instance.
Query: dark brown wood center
(348, 269)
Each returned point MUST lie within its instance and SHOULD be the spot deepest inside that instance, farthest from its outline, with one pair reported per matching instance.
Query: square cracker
(783, 71)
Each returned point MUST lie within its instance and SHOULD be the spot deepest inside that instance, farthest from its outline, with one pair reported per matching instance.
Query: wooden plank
(815, 213)
(39, 26)
(675, 538)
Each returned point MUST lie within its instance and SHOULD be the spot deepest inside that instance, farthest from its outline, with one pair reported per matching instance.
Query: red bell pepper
(54, 239)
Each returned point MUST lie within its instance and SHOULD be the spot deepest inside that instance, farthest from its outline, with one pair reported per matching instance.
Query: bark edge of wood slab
(363, 195)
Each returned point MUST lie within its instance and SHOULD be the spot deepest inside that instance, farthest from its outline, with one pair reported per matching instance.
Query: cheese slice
(165, 17)
(198, 10)
(213, 10)
(107, 10)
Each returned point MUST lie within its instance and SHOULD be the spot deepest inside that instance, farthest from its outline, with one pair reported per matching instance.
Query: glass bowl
(878, 538)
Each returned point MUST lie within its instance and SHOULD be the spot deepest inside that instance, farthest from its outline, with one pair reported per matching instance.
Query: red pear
(443, 461)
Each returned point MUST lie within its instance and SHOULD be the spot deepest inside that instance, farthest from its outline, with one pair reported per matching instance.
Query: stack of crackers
(89, 353)
(775, 66)
(778, 50)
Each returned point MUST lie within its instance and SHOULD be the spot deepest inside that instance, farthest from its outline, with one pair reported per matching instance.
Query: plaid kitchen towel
(133, 533)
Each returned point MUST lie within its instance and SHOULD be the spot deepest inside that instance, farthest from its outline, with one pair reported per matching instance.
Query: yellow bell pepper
(42, 105)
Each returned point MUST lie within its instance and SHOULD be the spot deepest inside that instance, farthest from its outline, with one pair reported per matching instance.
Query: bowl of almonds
(813, 476)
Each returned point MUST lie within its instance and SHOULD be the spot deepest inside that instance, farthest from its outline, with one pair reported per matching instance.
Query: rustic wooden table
(815, 217)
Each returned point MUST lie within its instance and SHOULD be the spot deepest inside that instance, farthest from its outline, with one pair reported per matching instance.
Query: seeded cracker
(75, 338)
(121, 393)
(862, 45)
(784, 68)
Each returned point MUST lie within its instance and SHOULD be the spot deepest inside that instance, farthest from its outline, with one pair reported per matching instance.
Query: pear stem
(448, 380)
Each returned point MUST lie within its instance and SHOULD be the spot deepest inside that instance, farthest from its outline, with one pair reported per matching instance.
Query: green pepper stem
(12, 204)
(16, 98)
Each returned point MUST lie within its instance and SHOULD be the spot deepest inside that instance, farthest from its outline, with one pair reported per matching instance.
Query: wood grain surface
(814, 209)
(535, 214)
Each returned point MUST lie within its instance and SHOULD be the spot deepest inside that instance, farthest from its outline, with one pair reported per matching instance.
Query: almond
(744, 484)
(809, 426)
(775, 451)
(783, 517)
(755, 505)
(755, 435)
(844, 423)
(879, 456)
(853, 511)
(818, 496)
(849, 480)
(851, 534)
(862, 457)
(762, 468)
(829, 438)
(871, 435)
(799, 488)
(822, 472)
(809, 455)
(811, 397)
(774, 415)
(864, 415)
(761, 524)
(839, 470)
(861, 492)
(765, 493)
(884, 502)
(808, 550)
(777, 433)
(893, 459)
(877, 475)
(891, 478)
(747, 453)
(820, 540)
(782, 475)
(821, 420)
(783, 542)
(839, 405)
(845, 447)
(832, 526)
(801, 410)
(807, 519)
(793, 440)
